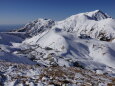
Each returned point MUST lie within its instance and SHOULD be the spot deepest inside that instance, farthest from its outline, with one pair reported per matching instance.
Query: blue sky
(23, 11)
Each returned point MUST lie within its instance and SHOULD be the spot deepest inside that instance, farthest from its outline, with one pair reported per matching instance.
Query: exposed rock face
(38, 26)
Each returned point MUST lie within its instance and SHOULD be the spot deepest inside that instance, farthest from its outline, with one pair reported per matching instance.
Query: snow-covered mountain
(36, 27)
(78, 37)
(85, 40)
(95, 24)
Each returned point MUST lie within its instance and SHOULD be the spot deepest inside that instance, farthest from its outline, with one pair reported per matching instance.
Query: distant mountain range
(6, 28)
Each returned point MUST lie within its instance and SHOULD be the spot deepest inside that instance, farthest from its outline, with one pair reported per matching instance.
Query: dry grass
(66, 75)
(58, 76)
(112, 83)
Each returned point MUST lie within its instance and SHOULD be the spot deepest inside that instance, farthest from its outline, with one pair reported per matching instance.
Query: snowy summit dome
(97, 15)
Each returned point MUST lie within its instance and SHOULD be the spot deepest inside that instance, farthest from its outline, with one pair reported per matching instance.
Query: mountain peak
(97, 15)
(96, 11)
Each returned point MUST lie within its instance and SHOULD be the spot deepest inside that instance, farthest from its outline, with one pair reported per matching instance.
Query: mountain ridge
(79, 50)
(73, 31)
(78, 22)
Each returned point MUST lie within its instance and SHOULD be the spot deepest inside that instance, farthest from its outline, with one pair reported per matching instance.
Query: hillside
(77, 51)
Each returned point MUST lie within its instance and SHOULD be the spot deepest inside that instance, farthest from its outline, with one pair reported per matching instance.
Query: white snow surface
(91, 52)
(7, 49)
(85, 38)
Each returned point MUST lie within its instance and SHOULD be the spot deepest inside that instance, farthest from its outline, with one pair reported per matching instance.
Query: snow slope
(7, 49)
(93, 24)
(79, 50)
(7, 39)
(84, 38)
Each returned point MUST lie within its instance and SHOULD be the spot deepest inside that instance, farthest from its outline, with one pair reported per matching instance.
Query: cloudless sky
(23, 11)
